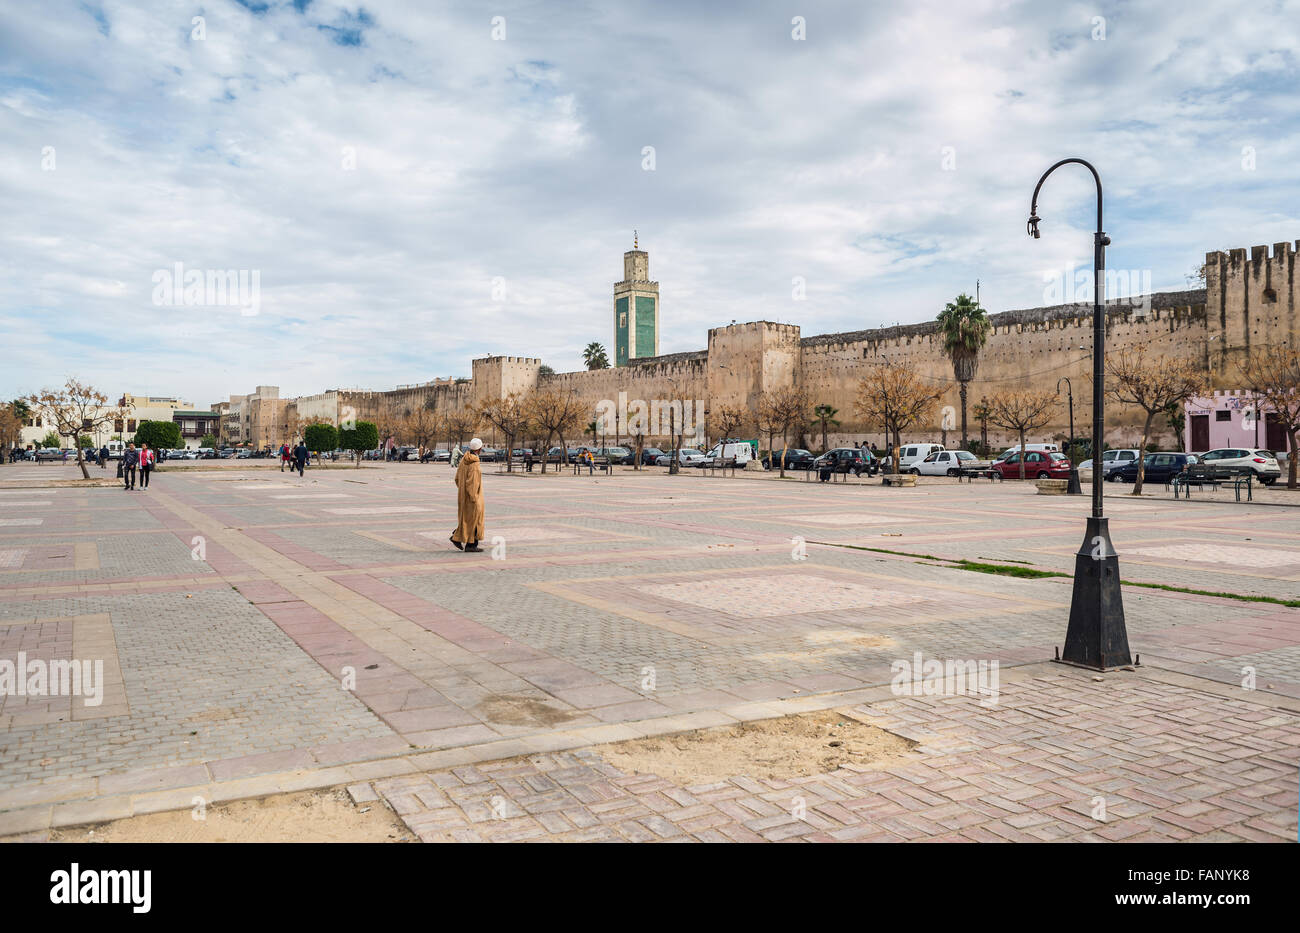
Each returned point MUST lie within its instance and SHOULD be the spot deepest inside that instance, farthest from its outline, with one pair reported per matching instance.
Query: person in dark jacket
(103, 456)
(300, 455)
(130, 460)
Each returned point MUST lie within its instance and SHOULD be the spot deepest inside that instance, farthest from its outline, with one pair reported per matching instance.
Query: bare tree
(77, 409)
(1153, 383)
(1022, 410)
(1273, 374)
(421, 427)
(782, 410)
(461, 424)
(509, 414)
(895, 398)
(730, 419)
(555, 412)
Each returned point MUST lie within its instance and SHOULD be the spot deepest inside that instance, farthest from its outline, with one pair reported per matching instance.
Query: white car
(688, 458)
(910, 454)
(1114, 459)
(1263, 462)
(948, 463)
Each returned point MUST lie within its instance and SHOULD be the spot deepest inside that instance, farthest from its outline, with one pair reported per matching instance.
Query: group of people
(133, 461)
(294, 458)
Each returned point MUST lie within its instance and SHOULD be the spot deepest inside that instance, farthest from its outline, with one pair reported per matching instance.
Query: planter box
(1052, 487)
(898, 479)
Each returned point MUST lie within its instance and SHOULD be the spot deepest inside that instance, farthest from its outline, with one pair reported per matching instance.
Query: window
(130, 424)
(1223, 416)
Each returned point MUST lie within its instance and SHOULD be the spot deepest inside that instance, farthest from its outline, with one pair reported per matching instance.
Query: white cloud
(477, 158)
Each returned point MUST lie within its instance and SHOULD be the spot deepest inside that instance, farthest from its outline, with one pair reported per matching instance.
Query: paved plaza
(262, 632)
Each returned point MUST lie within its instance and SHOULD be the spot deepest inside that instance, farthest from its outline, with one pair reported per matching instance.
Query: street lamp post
(1073, 489)
(1096, 637)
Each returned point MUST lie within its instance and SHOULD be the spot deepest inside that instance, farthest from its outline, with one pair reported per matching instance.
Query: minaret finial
(634, 246)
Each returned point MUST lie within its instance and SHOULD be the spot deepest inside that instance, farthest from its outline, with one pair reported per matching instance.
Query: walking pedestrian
(103, 456)
(456, 454)
(300, 455)
(469, 500)
(146, 465)
(284, 456)
(130, 461)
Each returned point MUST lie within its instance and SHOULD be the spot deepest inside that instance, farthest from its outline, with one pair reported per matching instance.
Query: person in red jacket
(147, 461)
(284, 457)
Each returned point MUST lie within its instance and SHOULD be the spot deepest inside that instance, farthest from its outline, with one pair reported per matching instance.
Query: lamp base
(1097, 638)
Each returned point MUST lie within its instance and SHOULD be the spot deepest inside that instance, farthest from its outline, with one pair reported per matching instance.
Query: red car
(1039, 464)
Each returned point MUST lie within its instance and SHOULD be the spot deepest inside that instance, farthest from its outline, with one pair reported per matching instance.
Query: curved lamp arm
(1032, 227)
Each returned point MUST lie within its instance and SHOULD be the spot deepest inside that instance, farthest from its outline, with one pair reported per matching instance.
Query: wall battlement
(1250, 300)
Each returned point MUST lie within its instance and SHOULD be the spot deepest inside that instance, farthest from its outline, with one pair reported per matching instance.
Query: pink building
(1228, 419)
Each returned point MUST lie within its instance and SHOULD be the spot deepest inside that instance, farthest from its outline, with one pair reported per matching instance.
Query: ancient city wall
(1248, 301)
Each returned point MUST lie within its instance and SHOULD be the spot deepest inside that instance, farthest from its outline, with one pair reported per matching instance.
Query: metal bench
(969, 475)
(1200, 474)
(597, 463)
(728, 463)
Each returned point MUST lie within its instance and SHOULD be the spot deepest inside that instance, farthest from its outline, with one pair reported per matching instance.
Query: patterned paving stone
(644, 596)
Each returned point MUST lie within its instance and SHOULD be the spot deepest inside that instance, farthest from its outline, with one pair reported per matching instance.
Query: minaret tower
(636, 308)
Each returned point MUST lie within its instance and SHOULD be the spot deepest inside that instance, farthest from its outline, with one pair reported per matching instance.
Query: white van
(725, 451)
(912, 453)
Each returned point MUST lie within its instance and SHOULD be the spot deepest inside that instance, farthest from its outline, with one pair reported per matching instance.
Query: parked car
(47, 454)
(949, 463)
(1159, 467)
(1039, 464)
(650, 455)
(796, 458)
(909, 454)
(1111, 459)
(724, 452)
(1262, 462)
(847, 460)
(685, 457)
(1041, 448)
(615, 455)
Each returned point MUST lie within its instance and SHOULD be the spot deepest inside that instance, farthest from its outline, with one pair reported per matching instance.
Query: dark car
(1039, 464)
(1159, 467)
(848, 460)
(796, 458)
(650, 454)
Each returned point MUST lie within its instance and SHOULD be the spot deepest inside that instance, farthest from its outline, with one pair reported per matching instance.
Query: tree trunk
(1142, 454)
(1292, 460)
(85, 474)
(965, 444)
(784, 450)
(1022, 453)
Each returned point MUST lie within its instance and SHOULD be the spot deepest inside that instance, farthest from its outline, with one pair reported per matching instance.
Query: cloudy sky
(381, 167)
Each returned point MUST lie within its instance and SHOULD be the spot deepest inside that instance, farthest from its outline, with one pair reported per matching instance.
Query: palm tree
(592, 428)
(594, 356)
(965, 328)
(826, 415)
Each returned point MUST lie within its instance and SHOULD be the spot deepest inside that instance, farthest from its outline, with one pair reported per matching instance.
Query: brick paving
(269, 631)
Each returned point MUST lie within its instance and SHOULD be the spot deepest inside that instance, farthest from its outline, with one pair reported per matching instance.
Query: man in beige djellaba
(469, 500)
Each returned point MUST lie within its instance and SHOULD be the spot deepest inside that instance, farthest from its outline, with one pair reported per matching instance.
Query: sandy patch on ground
(788, 747)
(312, 816)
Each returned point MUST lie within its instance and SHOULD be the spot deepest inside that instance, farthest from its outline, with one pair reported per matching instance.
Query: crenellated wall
(1248, 302)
